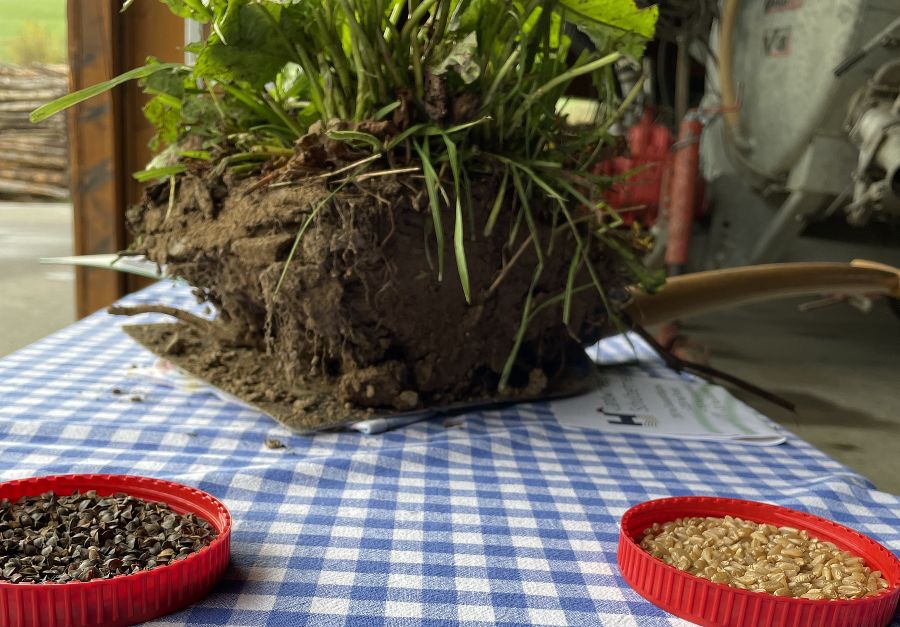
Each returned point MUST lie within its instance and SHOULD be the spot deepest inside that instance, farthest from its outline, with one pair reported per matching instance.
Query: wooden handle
(703, 292)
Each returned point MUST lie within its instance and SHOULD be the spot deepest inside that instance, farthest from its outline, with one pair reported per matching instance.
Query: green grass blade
(254, 105)
(305, 226)
(560, 79)
(202, 155)
(501, 74)
(523, 326)
(159, 173)
(528, 171)
(498, 202)
(529, 217)
(570, 283)
(577, 195)
(458, 238)
(286, 119)
(554, 222)
(585, 255)
(555, 299)
(514, 231)
(45, 111)
(450, 130)
(383, 111)
(432, 185)
(404, 135)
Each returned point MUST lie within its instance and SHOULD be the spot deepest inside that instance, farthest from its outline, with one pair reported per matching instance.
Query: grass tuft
(466, 90)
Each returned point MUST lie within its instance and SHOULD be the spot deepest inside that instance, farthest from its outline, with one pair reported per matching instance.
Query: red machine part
(641, 174)
(683, 191)
(659, 176)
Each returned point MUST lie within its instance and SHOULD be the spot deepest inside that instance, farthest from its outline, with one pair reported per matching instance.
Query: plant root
(225, 335)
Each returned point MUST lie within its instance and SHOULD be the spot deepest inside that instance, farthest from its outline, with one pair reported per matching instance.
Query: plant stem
(363, 50)
(381, 41)
(416, 14)
(443, 12)
(501, 74)
(202, 324)
(416, 54)
(280, 112)
(332, 44)
(197, 7)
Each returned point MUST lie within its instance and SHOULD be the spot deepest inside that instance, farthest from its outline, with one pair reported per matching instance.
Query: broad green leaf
(251, 46)
(191, 9)
(291, 81)
(171, 82)
(45, 111)
(613, 25)
(459, 57)
(165, 119)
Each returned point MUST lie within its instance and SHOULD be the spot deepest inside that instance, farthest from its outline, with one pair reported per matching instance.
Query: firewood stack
(34, 158)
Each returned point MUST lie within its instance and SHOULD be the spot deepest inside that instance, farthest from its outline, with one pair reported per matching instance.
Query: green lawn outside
(18, 16)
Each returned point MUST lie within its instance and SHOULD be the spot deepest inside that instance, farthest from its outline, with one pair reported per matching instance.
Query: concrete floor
(35, 299)
(838, 365)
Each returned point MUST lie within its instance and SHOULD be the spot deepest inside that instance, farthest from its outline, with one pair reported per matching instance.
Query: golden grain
(763, 558)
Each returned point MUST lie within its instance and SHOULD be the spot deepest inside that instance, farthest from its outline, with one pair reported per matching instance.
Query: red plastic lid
(707, 603)
(124, 599)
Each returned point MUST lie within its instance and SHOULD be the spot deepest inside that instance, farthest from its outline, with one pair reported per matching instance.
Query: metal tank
(786, 156)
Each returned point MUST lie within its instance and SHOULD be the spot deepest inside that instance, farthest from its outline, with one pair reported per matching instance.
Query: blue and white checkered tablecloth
(505, 519)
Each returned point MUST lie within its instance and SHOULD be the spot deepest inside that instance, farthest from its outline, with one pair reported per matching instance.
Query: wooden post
(108, 134)
(94, 152)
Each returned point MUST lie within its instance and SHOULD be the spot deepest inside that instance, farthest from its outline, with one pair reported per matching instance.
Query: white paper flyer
(667, 408)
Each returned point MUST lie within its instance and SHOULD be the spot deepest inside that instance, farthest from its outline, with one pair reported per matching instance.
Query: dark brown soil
(250, 375)
(360, 308)
(310, 404)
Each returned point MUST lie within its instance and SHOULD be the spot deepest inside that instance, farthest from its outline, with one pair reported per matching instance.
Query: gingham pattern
(502, 518)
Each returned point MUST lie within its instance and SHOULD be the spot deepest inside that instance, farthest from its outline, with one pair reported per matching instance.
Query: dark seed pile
(53, 538)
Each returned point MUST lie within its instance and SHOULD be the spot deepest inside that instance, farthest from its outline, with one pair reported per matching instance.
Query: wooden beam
(94, 151)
